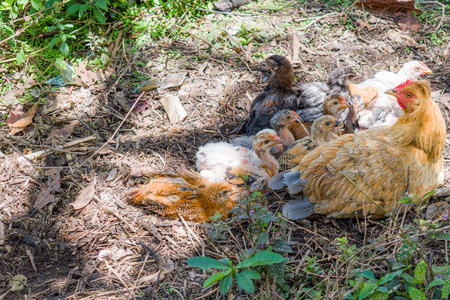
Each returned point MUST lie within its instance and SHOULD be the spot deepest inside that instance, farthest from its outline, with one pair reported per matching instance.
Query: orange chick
(187, 194)
(322, 131)
(386, 163)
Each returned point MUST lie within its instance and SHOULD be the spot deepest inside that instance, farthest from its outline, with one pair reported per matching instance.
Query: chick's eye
(327, 123)
(266, 142)
(335, 103)
(408, 95)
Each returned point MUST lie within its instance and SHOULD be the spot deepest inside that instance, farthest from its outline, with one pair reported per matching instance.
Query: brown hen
(386, 163)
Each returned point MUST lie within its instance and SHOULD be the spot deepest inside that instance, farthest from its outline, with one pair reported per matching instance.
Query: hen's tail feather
(277, 182)
(298, 209)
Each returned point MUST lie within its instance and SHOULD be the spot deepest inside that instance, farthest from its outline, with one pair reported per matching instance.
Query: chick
(312, 95)
(322, 131)
(257, 175)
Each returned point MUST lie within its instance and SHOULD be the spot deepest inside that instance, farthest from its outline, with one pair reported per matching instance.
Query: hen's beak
(427, 71)
(343, 106)
(391, 92)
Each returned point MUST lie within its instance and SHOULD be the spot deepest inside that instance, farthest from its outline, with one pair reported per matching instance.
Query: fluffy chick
(279, 94)
(257, 175)
(188, 194)
(312, 95)
(322, 131)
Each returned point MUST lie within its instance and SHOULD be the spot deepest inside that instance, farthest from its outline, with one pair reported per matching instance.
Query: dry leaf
(15, 114)
(26, 120)
(88, 77)
(2, 232)
(409, 22)
(112, 174)
(295, 47)
(363, 25)
(85, 196)
(53, 185)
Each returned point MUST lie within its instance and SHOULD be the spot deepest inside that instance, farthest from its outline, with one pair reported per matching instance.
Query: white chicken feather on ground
(213, 159)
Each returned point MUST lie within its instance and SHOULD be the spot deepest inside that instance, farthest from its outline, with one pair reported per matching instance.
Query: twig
(321, 17)
(223, 12)
(115, 132)
(348, 8)
(157, 264)
(190, 230)
(21, 30)
(196, 36)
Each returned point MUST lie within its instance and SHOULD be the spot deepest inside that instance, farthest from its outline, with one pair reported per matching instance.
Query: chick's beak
(343, 106)
(337, 123)
(391, 92)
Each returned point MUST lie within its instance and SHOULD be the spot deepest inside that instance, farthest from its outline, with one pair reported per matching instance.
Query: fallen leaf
(295, 47)
(363, 25)
(112, 174)
(26, 120)
(88, 77)
(409, 22)
(173, 80)
(2, 232)
(85, 196)
(53, 186)
(15, 114)
(438, 211)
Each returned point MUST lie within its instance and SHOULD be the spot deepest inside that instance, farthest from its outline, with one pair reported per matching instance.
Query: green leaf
(82, 9)
(389, 277)
(446, 288)
(20, 57)
(214, 278)
(64, 49)
(37, 5)
(437, 281)
(244, 280)
(367, 290)
(379, 296)
(22, 3)
(103, 4)
(206, 263)
(416, 294)
(225, 284)
(260, 259)
(52, 43)
(409, 278)
(367, 274)
(99, 15)
(73, 9)
(443, 236)
(281, 246)
(420, 271)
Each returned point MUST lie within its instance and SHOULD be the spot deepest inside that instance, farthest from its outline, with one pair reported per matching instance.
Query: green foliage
(346, 251)
(243, 278)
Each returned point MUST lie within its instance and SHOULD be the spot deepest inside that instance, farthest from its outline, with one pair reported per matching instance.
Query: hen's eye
(266, 142)
(327, 123)
(408, 95)
(417, 69)
(335, 103)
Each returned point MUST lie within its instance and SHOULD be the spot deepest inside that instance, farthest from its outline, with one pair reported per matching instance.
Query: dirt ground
(101, 250)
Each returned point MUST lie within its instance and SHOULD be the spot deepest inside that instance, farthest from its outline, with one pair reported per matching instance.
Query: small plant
(231, 273)
(346, 250)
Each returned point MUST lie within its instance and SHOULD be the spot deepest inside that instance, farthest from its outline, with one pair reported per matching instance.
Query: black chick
(312, 95)
(279, 94)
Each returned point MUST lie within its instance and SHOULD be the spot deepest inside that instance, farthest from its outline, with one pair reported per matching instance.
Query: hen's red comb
(402, 85)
